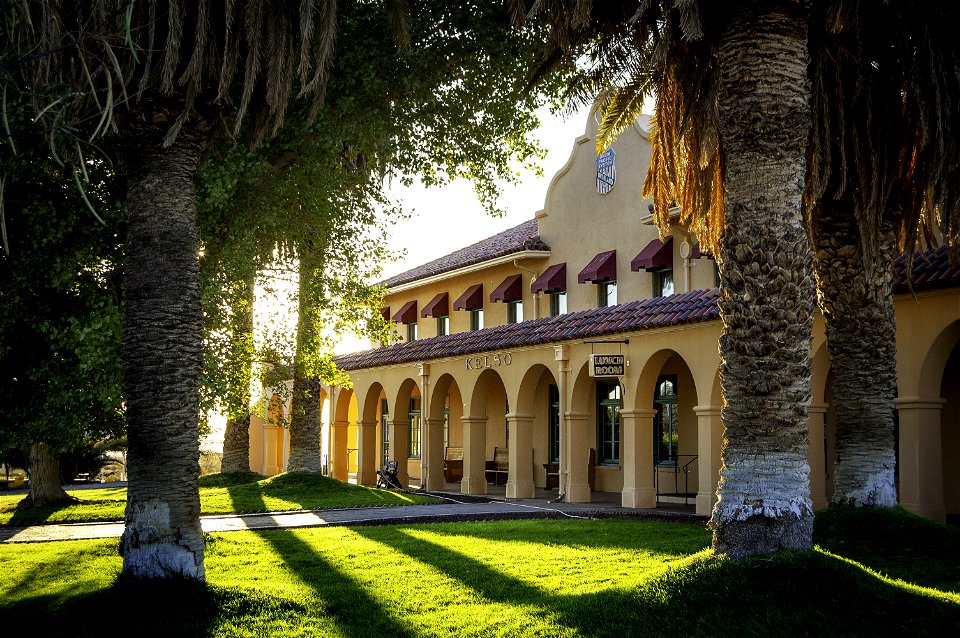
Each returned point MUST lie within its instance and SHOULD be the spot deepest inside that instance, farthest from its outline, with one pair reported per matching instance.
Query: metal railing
(674, 464)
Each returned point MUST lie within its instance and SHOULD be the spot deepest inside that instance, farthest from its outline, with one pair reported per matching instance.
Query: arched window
(666, 424)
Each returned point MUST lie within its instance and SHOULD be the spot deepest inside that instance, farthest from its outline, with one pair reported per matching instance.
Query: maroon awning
(408, 313)
(470, 300)
(439, 306)
(385, 313)
(697, 253)
(603, 267)
(510, 290)
(553, 279)
(656, 255)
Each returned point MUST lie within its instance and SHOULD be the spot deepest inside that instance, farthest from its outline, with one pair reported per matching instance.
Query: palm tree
(160, 77)
(236, 435)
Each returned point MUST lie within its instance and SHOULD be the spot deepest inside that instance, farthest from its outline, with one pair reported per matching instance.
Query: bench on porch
(497, 470)
(453, 464)
(553, 471)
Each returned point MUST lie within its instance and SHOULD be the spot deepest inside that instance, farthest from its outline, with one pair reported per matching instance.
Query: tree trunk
(45, 487)
(236, 437)
(162, 350)
(305, 403)
(856, 297)
(767, 293)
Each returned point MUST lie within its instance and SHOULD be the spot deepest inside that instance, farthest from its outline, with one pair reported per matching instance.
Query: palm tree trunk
(856, 297)
(236, 436)
(767, 292)
(305, 403)
(162, 350)
(45, 487)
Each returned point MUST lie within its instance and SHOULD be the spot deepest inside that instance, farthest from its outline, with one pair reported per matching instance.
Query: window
(384, 432)
(662, 283)
(553, 426)
(446, 423)
(515, 312)
(412, 331)
(665, 424)
(609, 398)
(414, 415)
(558, 304)
(476, 319)
(606, 294)
(443, 325)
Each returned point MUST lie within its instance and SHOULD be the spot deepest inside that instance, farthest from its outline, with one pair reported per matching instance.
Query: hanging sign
(606, 172)
(607, 365)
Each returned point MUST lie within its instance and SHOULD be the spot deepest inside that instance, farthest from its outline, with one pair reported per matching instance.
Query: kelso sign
(607, 365)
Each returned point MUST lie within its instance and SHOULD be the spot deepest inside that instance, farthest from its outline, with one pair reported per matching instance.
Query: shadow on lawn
(348, 605)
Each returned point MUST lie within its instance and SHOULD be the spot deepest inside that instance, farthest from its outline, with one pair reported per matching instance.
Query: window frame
(606, 290)
(443, 325)
(515, 311)
(476, 319)
(661, 404)
(413, 439)
(558, 299)
(608, 431)
(412, 332)
(659, 280)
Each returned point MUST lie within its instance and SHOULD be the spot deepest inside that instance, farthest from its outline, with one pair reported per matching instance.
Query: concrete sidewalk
(449, 511)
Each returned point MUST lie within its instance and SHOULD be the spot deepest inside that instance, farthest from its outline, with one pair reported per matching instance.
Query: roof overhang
(450, 274)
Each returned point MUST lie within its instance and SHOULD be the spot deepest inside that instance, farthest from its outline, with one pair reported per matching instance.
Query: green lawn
(518, 578)
(219, 494)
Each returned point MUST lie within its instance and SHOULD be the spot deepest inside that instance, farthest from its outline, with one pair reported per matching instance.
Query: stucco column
(921, 481)
(270, 467)
(561, 354)
(341, 461)
(367, 452)
(474, 455)
(816, 456)
(581, 436)
(426, 460)
(637, 457)
(433, 445)
(400, 447)
(709, 442)
(520, 477)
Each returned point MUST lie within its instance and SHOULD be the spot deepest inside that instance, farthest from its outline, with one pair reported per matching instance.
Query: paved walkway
(450, 510)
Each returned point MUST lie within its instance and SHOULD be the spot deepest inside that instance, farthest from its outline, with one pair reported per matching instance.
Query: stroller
(387, 477)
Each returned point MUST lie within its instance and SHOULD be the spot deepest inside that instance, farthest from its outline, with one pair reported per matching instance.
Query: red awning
(553, 279)
(603, 267)
(657, 255)
(510, 290)
(470, 300)
(385, 313)
(408, 313)
(698, 254)
(439, 306)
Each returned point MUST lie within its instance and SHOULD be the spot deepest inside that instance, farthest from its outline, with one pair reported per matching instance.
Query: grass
(219, 494)
(528, 578)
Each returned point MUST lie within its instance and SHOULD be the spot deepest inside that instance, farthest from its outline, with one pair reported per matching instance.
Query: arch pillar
(341, 460)
(581, 438)
(270, 451)
(367, 452)
(638, 488)
(400, 447)
(816, 455)
(474, 455)
(921, 461)
(520, 449)
(709, 444)
(433, 445)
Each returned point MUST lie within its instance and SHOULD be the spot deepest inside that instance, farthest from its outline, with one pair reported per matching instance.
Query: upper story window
(663, 283)
(476, 319)
(657, 258)
(606, 294)
(443, 325)
(558, 304)
(515, 312)
(412, 331)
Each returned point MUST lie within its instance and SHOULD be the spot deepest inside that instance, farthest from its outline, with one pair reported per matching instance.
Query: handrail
(677, 468)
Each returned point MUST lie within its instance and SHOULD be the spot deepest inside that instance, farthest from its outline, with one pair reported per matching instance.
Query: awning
(470, 300)
(510, 290)
(553, 279)
(439, 306)
(698, 254)
(385, 313)
(657, 255)
(408, 313)
(603, 267)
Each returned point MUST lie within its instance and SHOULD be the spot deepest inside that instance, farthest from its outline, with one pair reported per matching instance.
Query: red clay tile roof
(934, 271)
(515, 240)
(699, 305)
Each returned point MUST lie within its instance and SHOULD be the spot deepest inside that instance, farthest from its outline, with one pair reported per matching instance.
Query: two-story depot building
(579, 348)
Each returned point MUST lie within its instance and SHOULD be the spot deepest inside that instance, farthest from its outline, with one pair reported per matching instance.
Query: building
(493, 382)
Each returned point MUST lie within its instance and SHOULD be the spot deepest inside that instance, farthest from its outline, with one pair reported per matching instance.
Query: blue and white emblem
(606, 172)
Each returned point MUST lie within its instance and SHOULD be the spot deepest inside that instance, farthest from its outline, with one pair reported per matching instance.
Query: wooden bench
(553, 471)
(497, 470)
(453, 464)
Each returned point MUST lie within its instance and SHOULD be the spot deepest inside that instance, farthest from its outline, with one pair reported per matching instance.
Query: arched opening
(406, 431)
(485, 435)
(343, 438)
(537, 420)
(445, 434)
(950, 435)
